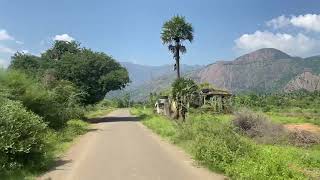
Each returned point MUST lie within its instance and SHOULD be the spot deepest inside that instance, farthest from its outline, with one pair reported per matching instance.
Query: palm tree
(174, 32)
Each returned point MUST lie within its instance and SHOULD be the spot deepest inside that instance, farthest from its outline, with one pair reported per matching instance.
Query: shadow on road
(56, 165)
(112, 119)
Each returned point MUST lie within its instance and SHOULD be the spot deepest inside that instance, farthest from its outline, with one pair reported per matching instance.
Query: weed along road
(120, 148)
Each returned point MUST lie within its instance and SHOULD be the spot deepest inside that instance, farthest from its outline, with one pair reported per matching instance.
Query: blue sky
(130, 30)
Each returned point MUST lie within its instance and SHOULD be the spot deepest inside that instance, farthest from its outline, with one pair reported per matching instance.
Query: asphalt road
(120, 148)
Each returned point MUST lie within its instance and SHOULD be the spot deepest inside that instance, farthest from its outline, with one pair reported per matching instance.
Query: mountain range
(146, 79)
(264, 70)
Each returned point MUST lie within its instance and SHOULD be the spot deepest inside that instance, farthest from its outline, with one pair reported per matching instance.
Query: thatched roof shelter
(215, 92)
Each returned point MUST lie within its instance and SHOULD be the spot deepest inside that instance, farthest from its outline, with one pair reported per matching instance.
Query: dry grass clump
(259, 127)
(303, 138)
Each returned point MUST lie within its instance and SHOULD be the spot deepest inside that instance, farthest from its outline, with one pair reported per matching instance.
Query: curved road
(121, 148)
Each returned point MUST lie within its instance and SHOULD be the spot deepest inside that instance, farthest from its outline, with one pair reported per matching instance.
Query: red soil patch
(305, 126)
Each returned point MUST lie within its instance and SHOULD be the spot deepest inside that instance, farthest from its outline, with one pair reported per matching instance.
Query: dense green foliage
(93, 73)
(280, 101)
(56, 105)
(184, 88)
(35, 123)
(42, 102)
(60, 48)
(295, 107)
(25, 62)
(217, 144)
(184, 92)
(22, 136)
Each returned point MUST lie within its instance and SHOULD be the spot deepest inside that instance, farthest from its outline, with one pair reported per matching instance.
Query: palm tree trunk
(178, 66)
(177, 56)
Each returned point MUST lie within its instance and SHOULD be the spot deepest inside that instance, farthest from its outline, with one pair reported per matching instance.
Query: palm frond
(183, 49)
(176, 30)
(171, 48)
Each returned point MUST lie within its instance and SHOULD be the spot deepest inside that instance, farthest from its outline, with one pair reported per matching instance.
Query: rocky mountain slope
(306, 81)
(263, 70)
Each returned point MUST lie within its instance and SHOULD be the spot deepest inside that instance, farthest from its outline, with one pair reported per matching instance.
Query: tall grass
(216, 144)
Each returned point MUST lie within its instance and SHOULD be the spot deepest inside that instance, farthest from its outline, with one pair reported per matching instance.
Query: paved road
(121, 148)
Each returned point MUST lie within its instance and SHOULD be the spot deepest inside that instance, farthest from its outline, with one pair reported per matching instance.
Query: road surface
(120, 148)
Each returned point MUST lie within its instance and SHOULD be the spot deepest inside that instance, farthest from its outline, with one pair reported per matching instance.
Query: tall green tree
(174, 33)
(60, 48)
(93, 73)
(26, 63)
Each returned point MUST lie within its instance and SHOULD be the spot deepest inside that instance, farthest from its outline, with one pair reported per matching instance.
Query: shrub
(266, 163)
(303, 138)
(74, 128)
(22, 136)
(218, 146)
(259, 127)
(161, 126)
(77, 126)
(56, 106)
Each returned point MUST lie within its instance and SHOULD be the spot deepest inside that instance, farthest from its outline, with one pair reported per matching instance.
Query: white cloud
(6, 50)
(25, 51)
(309, 22)
(19, 42)
(297, 45)
(63, 37)
(5, 36)
(278, 22)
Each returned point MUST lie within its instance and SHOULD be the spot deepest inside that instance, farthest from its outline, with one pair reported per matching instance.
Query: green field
(213, 141)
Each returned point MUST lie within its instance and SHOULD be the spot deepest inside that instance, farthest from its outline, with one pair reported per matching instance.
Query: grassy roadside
(213, 142)
(60, 141)
(277, 118)
(99, 112)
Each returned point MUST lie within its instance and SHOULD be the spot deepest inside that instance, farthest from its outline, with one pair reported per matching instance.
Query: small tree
(174, 32)
(183, 91)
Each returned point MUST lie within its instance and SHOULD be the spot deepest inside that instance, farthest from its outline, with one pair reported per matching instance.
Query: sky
(130, 30)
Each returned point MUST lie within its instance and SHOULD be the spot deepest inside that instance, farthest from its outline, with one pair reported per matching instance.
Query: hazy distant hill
(146, 79)
(264, 70)
(140, 74)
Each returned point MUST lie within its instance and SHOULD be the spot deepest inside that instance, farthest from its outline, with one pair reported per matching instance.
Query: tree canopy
(25, 62)
(183, 87)
(94, 73)
(176, 29)
(174, 32)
